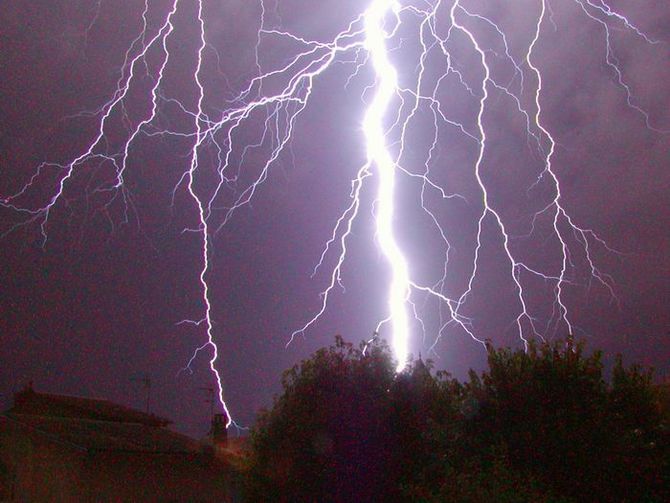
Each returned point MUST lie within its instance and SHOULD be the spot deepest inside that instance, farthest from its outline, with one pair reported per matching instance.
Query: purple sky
(98, 307)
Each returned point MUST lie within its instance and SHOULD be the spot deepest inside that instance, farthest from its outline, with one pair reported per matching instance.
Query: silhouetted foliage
(541, 426)
(328, 433)
(548, 417)
(346, 428)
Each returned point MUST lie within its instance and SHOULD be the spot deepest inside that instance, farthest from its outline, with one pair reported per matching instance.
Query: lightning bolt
(378, 154)
(218, 145)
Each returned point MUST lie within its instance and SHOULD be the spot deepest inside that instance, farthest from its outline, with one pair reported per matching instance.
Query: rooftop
(94, 425)
(30, 402)
(96, 435)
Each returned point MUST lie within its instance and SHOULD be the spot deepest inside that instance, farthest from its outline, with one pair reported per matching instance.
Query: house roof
(30, 402)
(97, 435)
(94, 425)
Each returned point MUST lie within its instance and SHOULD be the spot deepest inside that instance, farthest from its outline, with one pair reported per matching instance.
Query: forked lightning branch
(389, 106)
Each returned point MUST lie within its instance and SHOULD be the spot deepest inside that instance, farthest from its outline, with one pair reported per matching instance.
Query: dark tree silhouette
(327, 436)
(539, 426)
(548, 416)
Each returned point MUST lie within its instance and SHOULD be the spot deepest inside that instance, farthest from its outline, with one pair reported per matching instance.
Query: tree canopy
(538, 425)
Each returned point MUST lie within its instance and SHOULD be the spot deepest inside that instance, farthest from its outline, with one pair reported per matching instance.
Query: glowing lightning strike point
(378, 155)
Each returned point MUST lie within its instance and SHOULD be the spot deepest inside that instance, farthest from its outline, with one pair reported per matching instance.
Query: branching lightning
(392, 100)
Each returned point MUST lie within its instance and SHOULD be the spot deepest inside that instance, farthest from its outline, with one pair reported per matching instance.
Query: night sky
(98, 305)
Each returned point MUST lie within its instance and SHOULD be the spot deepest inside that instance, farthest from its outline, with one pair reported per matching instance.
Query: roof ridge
(48, 417)
(62, 405)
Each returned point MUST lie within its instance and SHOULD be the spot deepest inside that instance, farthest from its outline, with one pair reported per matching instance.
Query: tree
(327, 435)
(554, 416)
(347, 428)
(541, 425)
(427, 424)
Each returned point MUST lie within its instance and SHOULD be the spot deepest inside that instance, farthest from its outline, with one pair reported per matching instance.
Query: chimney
(219, 432)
